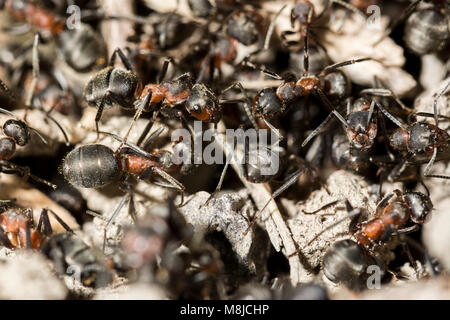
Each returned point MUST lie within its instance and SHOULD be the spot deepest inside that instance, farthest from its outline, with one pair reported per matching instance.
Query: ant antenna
(35, 62)
(289, 181)
(352, 213)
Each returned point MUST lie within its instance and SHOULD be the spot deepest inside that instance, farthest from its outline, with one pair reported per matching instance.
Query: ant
(392, 215)
(360, 124)
(34, 15)
(17, 229)
(96, 165)
(149, 229)
(17, 132)
(253, 174)
(346, 262)
(303, 13)
(421, 138)
(330, 82)
(116, 85)
(426, 30)
(82, 48)
(71, 255)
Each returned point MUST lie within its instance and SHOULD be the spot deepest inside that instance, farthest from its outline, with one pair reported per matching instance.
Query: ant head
(267, 104)
(419, 204)
(302, 11)
(17, 130)
(422, 137)
(203, 105)
(362, 129)
(201, 8)
(244, 27)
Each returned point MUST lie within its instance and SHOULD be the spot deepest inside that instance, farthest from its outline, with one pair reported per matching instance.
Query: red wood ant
(392, 215)
(361, 122)
(17, 229)
(34, 15)
(330, 82)
(420, 139)
(303, 13)
(96, 165)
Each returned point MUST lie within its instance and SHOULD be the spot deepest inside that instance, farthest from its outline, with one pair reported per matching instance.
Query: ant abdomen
(346, 262)
(91, 166)
(112, 85)
(426, 31)
(17, 130)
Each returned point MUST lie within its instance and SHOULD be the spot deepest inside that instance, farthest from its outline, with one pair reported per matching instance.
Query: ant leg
(28, 243)
(163, 71)
(10, 168)
(429, 115)
(4, 240)
(247, 103)
(132, 208)
(394, 174)
(285, 42)
(413, 243)
(338, 65)
(289, 182)
(326, 206)
(391, 117)
(122, 202)
(174, 182)
(271, 28)
(425, 187)
(35, 63)
(152, 137)
(141, 106)
(144, 133)
(263, 69)
(98, 115)
(306, 54)
(122, 57)
(430, 164)
(60, 221)
(407, 230)
(317, 130)
(44, 225)
(381, 92)
(384, 202)
(351, 214)
(207, 63)
(385, 141)
(435, 103)
(273, 129)
(219, 185)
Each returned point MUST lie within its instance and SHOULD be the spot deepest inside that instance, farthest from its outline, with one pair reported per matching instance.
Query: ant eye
(197, 109)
